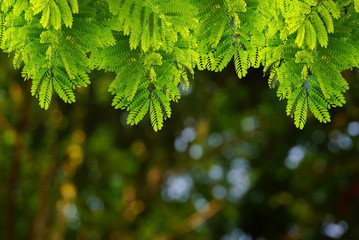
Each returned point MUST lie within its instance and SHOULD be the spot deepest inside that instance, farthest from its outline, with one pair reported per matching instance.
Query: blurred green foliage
(228, 165)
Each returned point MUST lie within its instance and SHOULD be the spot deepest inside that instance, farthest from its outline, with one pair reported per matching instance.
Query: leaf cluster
(153, 47)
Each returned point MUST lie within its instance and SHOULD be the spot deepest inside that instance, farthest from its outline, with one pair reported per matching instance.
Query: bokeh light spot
(195, 151)
(219, 192)
(215, 173)
(295, 156)
(215, 140)
(177, 187)
(334, 230)
(353, 129)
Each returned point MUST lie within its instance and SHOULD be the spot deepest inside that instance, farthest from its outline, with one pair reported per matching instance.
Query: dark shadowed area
(229, 165)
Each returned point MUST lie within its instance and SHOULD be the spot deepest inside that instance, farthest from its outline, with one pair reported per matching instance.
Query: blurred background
(228, 165)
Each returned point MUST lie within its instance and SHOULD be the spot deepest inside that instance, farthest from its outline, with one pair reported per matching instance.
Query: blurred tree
(228, 165)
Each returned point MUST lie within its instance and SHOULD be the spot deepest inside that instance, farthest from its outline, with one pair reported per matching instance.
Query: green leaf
(156, 113)
(45, 92)
(320, 30)
(311, 36)
(300, 114)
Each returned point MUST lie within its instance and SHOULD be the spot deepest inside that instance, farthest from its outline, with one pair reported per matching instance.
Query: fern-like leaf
(320, 30)
(165, 103)
(318, 106)
(64, 92)
(139, 108)
(240, 62)
(156, 113)
(311, 36)
(45, 94)
(327, 18)
(293, 100)
(2, 26)
(300, 114)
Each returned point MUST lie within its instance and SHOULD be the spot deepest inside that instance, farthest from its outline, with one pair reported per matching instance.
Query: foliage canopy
(154, 45)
